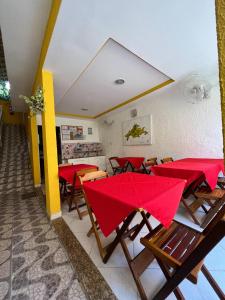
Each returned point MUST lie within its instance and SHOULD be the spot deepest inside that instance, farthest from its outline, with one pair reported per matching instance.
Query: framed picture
(72, 132)
(89, 130)
(137, 131)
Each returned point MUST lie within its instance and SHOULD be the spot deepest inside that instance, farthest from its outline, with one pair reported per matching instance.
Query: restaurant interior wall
(94, 137)
(179, 128)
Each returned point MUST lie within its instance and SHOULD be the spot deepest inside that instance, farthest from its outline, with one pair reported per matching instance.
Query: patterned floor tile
(33, 264)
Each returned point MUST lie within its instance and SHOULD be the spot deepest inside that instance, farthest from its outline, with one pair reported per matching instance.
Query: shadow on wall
(15, 118)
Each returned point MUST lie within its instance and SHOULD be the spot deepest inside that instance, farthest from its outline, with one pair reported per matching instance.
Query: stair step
(15, 168)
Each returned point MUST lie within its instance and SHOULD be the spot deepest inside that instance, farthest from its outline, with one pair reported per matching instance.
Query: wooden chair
(204, 196)
(180, 252)
(114, 165)
(150, 162)
(76, 192)
(94, 229)
(166, 160)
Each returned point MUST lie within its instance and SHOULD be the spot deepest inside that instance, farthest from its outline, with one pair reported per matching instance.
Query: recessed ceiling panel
(96, 90)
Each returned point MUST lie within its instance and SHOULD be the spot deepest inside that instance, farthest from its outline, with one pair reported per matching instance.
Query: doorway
(41, 151)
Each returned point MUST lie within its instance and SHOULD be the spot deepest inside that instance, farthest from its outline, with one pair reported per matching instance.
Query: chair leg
(77, 208)
(213, 283)
(135, 276)
(94, 229)
(70, 202)
(91, 230)
(166, 272)
(190, 211)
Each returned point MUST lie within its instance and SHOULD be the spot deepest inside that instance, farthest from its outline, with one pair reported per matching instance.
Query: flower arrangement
(35, 102)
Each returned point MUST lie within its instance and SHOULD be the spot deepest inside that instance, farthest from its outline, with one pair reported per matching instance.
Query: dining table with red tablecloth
(113, 199)
(192, 169)
(116, 200)
(67, 172)
(135, 162)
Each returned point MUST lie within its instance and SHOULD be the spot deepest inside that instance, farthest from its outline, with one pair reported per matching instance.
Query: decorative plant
(35, 102)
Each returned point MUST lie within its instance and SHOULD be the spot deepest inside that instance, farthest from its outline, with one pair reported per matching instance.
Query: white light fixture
(108, 122)
(119, 81)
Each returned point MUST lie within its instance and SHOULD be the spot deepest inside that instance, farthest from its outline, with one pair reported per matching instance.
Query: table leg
(110, 248)
(145, 170)
(141, 225)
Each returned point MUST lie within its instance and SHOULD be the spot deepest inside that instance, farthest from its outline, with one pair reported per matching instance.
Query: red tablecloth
(190, 170)
(136, 162)
(67, 172)
(219, 161)
(114, 198)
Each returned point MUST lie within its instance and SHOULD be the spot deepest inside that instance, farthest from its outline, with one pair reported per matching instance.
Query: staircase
(15, 169)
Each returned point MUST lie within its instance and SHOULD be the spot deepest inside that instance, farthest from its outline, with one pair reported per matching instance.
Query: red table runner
(136, 162)
(190, 170)
(114, 198)
(67, 172)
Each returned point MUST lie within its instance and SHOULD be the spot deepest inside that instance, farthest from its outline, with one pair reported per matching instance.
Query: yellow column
(50, 148)
(34, 150)
(220, 18)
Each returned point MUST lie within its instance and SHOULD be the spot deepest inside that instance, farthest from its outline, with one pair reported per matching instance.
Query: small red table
(67, 172)
(134, 162)
(114, 198)
(117, 199)
(190, 169)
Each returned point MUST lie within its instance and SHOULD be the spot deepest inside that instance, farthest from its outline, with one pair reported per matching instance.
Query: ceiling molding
(73, 115)
(46, 41)
(157, 87)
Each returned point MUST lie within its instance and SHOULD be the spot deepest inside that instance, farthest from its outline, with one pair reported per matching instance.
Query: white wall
(94, 137)
(180, 129)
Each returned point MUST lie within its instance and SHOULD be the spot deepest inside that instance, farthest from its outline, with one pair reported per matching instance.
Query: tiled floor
(33, 263)
(117, 273)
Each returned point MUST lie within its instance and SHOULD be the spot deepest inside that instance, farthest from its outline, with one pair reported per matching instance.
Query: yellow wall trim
(157, 87)
(73, 115)
(46, 41)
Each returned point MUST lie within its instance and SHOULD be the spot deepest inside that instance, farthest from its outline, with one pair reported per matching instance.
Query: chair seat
(174, 245)
(210, 195)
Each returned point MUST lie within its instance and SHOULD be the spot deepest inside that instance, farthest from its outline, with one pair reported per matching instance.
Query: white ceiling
(95, 89)
(23, 24)
(176, 37)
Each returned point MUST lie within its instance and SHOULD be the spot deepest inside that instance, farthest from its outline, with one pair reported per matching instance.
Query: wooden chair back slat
(166, 160)
(64, 165)
(86, 171)
(92, 176)
(152, 161)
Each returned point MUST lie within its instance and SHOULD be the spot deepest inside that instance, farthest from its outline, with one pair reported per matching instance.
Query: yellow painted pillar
(50, 148)
(34, 150)
(220, 18)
